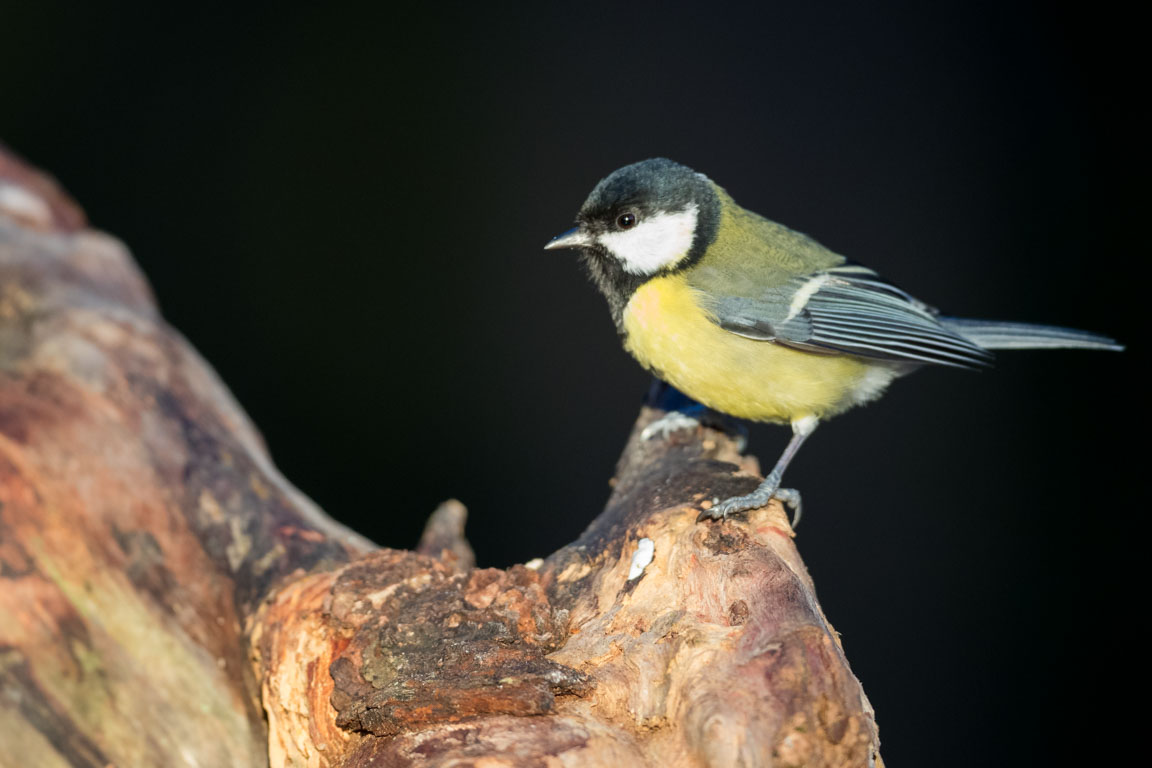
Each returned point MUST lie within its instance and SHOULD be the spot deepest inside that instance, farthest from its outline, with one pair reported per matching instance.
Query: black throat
(616, 284)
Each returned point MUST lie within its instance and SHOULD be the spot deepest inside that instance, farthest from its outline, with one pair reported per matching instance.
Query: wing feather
(852, 310)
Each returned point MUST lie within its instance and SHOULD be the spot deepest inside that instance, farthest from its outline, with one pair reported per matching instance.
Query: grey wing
(848, 309)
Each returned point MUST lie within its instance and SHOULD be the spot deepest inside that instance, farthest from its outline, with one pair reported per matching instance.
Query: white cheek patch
(655, 243)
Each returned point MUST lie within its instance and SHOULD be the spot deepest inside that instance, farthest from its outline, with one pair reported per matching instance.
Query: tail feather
(994, 334)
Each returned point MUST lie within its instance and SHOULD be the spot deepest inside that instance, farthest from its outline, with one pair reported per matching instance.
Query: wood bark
(167, 598)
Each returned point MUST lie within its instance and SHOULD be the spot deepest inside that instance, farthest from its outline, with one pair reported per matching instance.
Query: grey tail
(994, 334)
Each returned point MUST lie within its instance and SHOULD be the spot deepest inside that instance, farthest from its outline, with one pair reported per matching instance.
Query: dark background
(343, 209)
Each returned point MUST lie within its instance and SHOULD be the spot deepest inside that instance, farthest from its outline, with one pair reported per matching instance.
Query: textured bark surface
(167, 598)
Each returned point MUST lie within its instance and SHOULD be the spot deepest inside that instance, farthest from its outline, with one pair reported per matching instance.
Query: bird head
(645, 219)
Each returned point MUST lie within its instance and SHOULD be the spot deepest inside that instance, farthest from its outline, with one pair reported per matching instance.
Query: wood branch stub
(443, 536)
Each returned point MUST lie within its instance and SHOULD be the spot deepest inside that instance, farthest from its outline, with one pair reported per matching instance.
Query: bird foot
(663, 427)
(758, 498)
(696, 416)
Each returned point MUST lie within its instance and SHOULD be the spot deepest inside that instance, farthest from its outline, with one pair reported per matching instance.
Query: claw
(663, 427)
(738, 504)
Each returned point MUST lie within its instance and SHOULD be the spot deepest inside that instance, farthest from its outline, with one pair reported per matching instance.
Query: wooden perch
(167, 598)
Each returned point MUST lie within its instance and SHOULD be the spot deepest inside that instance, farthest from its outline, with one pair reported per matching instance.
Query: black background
(343, 208)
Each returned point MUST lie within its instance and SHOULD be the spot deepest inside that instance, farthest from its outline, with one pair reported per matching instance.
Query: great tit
(760, 322)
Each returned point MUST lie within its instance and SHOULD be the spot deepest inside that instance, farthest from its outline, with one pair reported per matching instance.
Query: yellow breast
(668, 331)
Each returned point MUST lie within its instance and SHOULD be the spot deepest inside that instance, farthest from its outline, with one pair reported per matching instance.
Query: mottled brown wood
(167, 598)
(34, 199)
(141, 519)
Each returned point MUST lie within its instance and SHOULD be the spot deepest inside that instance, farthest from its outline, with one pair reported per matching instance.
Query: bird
(760, 322)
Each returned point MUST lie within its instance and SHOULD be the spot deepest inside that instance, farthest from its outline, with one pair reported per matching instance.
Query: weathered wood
(167, 598)
(141, 519)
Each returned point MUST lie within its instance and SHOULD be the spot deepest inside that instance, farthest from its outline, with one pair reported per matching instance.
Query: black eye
(626, 220)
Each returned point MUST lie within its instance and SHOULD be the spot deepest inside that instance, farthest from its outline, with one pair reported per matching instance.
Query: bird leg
(770, 488)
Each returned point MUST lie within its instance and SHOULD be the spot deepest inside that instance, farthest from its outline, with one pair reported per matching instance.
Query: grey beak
(573, 238)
